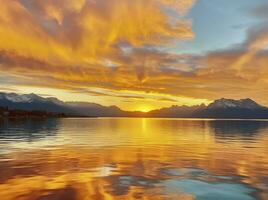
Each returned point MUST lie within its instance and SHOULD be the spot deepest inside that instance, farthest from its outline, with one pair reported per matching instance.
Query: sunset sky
(136, 54)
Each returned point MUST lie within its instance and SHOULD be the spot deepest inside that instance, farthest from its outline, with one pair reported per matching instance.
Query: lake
(133, 158)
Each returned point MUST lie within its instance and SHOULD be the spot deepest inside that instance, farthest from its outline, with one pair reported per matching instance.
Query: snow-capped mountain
(230, 103)
(33, 102)
(26, 98)
(15, 97)
(30, 102)
(229, 108)
(222, 108)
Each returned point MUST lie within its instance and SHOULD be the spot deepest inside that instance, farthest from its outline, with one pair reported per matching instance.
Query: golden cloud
(81, 31)
(86, 43)
(117, 45)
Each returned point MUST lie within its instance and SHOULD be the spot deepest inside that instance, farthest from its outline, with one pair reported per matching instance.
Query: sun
(144, 109)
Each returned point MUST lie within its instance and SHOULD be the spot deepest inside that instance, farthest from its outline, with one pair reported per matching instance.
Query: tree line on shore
(5, 112)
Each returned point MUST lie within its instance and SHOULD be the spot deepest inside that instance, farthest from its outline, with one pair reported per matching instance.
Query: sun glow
(145, 109)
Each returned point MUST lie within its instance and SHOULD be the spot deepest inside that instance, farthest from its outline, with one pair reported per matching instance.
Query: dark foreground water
(105, 159)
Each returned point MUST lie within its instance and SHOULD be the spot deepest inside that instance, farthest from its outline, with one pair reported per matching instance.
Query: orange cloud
(116, 45)
(181, 6)
(80, 31)
(71, 44)
(257, 41)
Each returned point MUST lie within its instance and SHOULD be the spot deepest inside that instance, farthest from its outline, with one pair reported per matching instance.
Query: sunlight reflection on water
(126, 158)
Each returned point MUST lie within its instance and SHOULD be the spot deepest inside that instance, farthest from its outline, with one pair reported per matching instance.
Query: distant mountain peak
(224, 103)
(221, 108)
(15, 98)
(26, 98)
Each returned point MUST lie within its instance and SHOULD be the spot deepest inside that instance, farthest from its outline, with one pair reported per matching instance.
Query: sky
(136, 54)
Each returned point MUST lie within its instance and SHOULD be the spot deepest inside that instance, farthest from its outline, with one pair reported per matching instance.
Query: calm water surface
(105, 159)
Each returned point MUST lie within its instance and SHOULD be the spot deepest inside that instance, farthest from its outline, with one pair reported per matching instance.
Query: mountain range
(221, 108)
